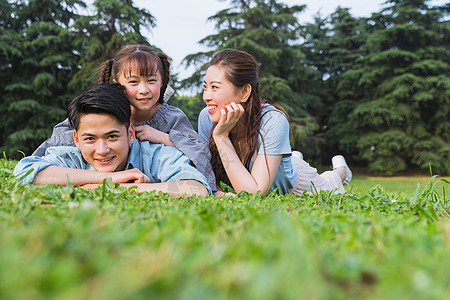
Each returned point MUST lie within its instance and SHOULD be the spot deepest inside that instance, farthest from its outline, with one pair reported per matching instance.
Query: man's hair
(105, 98)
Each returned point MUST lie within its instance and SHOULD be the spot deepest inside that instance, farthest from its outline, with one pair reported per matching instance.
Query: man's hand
(132, 176)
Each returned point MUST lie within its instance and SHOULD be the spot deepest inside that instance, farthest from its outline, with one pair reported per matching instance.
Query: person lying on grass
(145, 75)
(106, 148)
(249, 138)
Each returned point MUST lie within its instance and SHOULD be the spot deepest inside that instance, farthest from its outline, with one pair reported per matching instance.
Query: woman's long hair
(140, 58)
(240, 69)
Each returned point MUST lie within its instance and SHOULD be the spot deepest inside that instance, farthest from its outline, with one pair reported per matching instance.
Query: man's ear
(245, 92)
(75, 139)
(131, 134)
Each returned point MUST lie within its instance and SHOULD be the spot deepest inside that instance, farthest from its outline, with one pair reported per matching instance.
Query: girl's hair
(240, 69)
(140, 58)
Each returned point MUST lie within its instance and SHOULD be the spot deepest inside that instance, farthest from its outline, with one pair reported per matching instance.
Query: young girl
(145, 76)
(249, 139)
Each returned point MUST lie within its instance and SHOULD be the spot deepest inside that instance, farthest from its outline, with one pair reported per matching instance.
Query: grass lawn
(393, 184)
(380, 240)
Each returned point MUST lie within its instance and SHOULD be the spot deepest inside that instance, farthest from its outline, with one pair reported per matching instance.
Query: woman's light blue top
(274, 129)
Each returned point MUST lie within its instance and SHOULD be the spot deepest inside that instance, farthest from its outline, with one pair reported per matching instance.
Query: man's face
(104, 142)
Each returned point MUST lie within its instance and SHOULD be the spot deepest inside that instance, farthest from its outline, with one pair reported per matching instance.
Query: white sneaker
(297, 154)
(339, 161)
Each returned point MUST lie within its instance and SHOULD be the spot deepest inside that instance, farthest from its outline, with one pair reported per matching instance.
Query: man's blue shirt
(160, 163)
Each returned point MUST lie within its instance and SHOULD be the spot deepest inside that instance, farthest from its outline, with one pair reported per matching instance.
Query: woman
(249, 139)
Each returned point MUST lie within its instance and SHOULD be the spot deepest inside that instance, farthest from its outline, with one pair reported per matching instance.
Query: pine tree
(269, 30)
(112, 25)
(50, 54)
(333, 44)
(9, 50)
(35, 96)
(399, 118)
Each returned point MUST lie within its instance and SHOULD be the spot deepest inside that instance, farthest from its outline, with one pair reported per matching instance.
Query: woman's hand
(229, 117)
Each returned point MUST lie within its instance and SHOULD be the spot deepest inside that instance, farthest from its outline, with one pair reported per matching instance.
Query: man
(103, 135)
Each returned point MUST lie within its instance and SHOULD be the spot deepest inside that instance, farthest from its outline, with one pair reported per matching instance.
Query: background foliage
(376, 89)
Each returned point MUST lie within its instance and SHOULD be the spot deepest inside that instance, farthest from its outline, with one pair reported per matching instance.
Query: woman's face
(142, 91)
(218, 92)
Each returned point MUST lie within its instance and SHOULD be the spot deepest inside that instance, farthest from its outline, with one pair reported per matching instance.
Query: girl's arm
(187, 140)
(262, 174)
(173, 128)
(62, 136)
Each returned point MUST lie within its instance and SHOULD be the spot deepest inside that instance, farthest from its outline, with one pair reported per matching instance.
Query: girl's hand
(147, 133)
(229, 117)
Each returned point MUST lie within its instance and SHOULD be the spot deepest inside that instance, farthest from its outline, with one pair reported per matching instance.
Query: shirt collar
(133, 157)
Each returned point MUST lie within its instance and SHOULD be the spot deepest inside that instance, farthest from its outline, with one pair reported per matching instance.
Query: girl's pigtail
(165, 73)
(105, 73)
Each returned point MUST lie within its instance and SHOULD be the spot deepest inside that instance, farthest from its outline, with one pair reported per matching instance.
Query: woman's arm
(262, 174)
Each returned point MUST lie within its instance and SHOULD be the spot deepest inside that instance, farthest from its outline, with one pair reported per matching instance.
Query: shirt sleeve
(274, 129)
(204, 125)
(62, 136)
(169, 164)
(186, 139)
(27, 168)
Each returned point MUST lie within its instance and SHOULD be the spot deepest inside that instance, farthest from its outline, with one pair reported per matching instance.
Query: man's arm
(63, 175)
(67, 165)
(168, 164)
(173, 188)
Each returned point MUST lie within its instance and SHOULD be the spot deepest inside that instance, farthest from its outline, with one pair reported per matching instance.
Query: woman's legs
(341, 172)
(308, 180)
(340, 165)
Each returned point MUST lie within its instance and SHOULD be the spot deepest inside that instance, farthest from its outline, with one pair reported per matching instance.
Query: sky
(181, 24)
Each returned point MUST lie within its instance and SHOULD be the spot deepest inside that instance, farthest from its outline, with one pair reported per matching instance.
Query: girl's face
(218, 92)
(142, 91)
